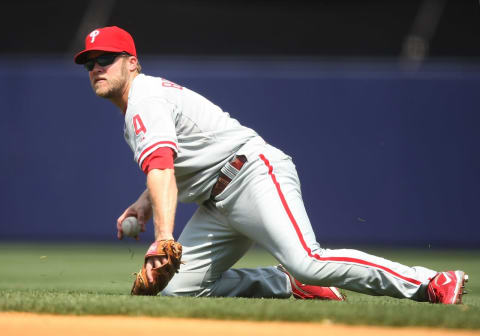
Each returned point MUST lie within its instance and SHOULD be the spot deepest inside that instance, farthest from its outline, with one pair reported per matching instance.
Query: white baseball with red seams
(262, 204)
(130, 227)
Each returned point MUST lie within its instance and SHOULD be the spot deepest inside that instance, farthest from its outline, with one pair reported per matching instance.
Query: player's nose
(97, 67)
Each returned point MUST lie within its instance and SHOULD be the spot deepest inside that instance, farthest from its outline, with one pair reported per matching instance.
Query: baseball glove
(161, 275)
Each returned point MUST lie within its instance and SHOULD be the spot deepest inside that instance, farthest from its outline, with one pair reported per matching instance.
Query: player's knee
(169, 291)
(308, 272)
(177, 289)
(301, 275)
(184, 284)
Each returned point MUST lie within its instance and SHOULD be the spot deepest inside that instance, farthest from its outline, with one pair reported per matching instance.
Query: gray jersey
(163, 114)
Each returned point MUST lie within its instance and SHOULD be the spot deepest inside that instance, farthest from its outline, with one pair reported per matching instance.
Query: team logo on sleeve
(138, 125)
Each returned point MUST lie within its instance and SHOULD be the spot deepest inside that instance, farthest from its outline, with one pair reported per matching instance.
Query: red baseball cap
(112, 39)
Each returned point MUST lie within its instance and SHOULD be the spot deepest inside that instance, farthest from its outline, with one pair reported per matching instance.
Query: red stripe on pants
(304, 244)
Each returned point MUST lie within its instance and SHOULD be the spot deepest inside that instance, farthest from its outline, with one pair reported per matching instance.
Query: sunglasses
(102, 60)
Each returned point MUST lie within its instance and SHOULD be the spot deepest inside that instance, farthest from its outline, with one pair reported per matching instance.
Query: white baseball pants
(263, 204)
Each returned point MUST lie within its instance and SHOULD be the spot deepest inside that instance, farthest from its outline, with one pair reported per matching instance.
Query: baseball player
(247, 192)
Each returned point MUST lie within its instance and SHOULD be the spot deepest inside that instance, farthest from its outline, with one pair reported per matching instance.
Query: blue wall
(385, 156)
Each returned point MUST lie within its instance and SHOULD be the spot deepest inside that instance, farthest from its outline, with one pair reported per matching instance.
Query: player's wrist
(163, 236)
(145, 197)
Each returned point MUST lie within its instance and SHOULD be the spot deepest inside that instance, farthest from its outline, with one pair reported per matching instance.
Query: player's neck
(122, 101)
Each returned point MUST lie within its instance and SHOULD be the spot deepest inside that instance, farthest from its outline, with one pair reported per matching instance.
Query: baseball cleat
(447, 287)
(310, 292)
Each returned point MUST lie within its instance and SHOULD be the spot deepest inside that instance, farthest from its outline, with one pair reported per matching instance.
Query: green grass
(96, 279)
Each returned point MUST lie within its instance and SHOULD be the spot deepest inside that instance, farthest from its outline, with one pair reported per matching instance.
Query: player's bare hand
(141, 209)
(154, 262)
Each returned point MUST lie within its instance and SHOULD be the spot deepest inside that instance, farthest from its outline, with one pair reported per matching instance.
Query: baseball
(130, 227)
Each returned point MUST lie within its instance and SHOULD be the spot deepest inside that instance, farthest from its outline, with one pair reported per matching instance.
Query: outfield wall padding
(386, 155)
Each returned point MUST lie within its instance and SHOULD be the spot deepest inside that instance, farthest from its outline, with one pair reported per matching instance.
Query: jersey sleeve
(150, 125)
(161, 158)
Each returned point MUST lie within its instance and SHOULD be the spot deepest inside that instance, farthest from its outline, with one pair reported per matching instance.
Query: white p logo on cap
(93, 34)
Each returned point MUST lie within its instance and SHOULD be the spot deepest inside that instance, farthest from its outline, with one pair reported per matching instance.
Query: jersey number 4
(138, 125)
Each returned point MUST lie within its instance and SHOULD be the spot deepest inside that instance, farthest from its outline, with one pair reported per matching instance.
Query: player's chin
(102, 92)
(99, 87)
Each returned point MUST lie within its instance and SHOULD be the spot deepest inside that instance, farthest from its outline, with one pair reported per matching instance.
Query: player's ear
(132, 63)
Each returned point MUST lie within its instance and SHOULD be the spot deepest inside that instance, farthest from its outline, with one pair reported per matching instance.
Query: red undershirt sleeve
(162, 158)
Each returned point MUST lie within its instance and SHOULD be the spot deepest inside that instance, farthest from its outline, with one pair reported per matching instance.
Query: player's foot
(309, 292)
(447, 287)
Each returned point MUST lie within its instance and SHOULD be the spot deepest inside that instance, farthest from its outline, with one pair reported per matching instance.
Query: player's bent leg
(210, 248)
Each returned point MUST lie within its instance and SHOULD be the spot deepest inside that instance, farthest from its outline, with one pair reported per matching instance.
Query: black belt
(224, 179)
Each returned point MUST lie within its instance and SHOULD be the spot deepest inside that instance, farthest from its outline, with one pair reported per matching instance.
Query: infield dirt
(23, 324)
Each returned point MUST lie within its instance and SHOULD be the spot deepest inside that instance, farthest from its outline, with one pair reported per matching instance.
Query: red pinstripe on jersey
(167, 143)
(304, 244)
